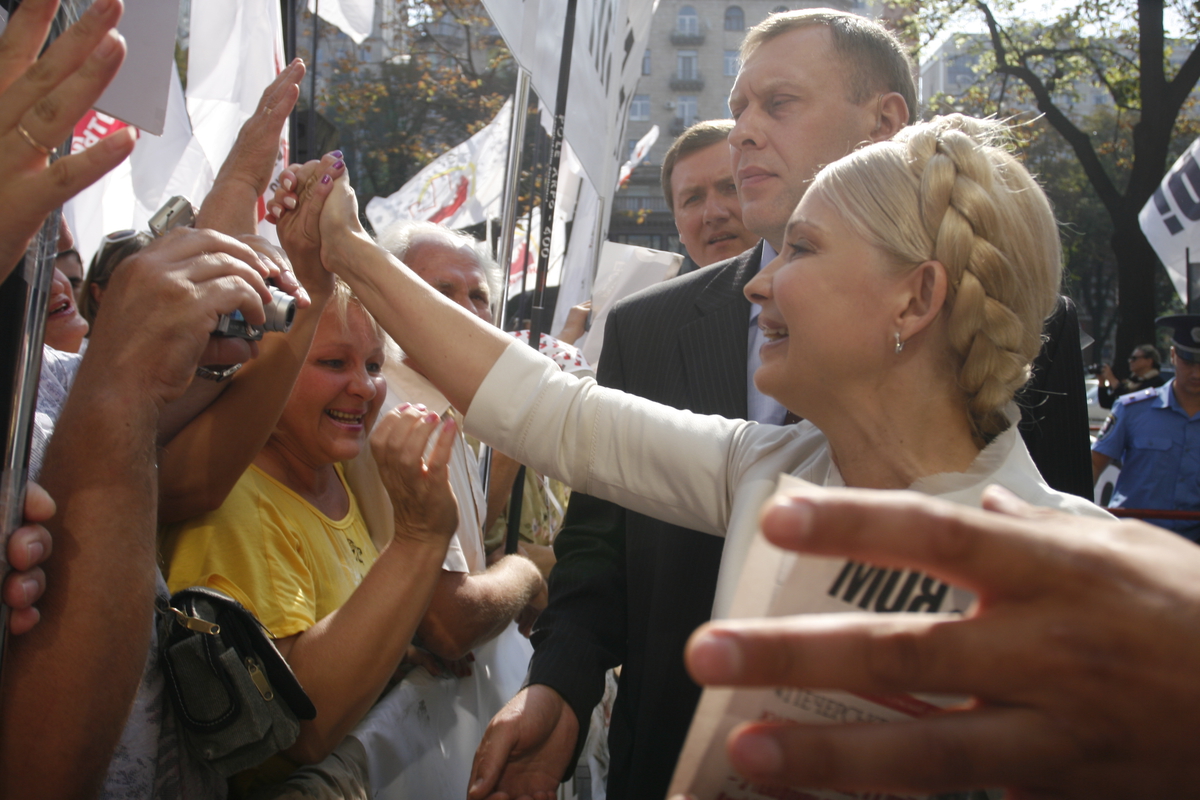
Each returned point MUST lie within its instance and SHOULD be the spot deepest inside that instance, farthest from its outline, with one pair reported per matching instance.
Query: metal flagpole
(508, 215)
(24, 296)
(312, 91)
(549, 198)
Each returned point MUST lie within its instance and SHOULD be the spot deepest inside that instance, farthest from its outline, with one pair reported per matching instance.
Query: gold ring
(49, 152)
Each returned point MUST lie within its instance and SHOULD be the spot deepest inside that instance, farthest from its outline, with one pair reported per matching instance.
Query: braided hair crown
(949, 190)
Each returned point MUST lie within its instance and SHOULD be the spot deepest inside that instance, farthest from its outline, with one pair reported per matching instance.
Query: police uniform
(1157, 443)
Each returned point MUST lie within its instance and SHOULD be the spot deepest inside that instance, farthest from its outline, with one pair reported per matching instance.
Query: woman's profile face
(338, 392)
(828, 309)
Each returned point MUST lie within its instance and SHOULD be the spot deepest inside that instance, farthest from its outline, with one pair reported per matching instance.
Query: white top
(702, 472)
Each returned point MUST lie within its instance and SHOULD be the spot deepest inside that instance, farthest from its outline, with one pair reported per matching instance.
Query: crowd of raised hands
(1080, 655)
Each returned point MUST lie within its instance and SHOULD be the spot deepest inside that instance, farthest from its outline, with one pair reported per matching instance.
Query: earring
(899, 344)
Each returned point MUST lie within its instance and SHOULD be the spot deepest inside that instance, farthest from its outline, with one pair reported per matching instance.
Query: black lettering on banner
(1183, 198)
(1164, 208)
(861, 583)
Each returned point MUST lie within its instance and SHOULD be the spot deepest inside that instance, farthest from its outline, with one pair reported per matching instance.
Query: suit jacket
(629, 589)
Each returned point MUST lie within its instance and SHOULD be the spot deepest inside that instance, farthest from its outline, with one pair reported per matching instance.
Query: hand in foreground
(526, 748)
(163, 302)
(1082, 654)
(45, 97)
(422, 500)
(28, 547)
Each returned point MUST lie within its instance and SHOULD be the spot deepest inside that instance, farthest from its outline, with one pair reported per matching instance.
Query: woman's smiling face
(828, 309)
(338, 392)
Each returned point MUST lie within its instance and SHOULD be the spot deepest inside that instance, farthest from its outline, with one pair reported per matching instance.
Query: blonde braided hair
(948, 191)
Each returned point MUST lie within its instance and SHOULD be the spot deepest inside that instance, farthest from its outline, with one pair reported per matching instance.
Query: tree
(1120, 47)
(445, 75)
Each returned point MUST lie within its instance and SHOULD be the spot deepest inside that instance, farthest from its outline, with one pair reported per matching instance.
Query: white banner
(355, 18)
(1171, 220)
(236, 49)
(461, 187)
(610, 37)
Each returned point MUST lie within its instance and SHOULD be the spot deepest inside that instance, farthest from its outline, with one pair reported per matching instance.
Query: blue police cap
(1185, 334)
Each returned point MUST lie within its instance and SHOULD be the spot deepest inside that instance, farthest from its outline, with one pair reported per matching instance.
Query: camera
(280, 311)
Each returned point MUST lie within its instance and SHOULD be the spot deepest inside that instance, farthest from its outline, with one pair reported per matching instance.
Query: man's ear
(891, 117)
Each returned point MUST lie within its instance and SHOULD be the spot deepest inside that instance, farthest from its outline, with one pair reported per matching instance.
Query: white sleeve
(670, 464)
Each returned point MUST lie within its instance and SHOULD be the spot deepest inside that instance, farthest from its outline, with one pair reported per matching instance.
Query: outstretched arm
(194, 476)
(392, 292)
(98, 606)
(1082, 653)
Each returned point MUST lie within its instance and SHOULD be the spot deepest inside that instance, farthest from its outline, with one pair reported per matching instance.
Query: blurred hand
(423, 503)
(46, 96)
(526, 748)
(1081, 655)
(163, 302)
(28, 547)
(576, 323)
(1110, 379)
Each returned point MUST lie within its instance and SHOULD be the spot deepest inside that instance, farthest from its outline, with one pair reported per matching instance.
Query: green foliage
(394, 117)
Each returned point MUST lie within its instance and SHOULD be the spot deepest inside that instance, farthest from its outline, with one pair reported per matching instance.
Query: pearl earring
(899, 344)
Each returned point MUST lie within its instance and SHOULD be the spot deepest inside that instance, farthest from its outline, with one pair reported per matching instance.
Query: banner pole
(549, 199)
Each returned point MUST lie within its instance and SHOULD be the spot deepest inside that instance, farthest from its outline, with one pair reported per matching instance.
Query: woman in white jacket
(901, 317)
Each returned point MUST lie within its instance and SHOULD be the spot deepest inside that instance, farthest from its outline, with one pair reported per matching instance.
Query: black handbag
(237, 700)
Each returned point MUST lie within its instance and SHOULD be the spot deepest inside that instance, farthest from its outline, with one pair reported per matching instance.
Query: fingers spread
(23, 38)
(954, 750)
(855, 652)
(71, 174)
(81, 42)
(984, 552)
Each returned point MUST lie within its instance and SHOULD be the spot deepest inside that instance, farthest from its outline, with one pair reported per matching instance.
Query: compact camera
(280, 311)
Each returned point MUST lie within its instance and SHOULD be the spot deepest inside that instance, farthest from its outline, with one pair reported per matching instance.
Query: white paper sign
(138, 94)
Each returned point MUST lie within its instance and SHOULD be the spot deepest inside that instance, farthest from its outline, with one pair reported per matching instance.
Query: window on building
(731, 62)
(687, 65)
(646, 62)
(735, 20)
(639, 109)
(686, 110)
(688, 22)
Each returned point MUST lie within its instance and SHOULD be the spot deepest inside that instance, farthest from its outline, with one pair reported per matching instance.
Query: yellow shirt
(272, 551)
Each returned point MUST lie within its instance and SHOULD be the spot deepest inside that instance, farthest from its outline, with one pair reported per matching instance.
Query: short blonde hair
(875, 61)
(947, 190)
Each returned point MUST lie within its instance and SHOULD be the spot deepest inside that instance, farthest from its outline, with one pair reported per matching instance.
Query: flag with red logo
(459, 188)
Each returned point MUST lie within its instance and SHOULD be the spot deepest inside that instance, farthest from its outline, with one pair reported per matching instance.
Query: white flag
(1171, 220)
(458, 188)
(236, 49)
(606, 61)
(355, 18)
(640, 150)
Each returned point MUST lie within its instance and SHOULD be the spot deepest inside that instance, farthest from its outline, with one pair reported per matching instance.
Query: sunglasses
(112, 241)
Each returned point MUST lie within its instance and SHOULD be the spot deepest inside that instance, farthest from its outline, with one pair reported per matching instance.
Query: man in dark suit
(628, 589)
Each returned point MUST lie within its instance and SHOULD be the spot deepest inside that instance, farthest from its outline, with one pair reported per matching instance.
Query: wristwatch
(216, 372)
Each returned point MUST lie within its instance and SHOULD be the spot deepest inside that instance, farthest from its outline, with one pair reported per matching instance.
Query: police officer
(1155, 434)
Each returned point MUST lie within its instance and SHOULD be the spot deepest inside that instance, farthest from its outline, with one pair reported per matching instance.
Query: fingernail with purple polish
(339, 164)
(336, 154)
(325, 179)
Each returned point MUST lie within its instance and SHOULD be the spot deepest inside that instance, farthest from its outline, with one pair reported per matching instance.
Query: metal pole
(512, 173)
(24, 296)
(312, 91)
(508, 215)
(1187, 301)
(549, 199)
(288, 7)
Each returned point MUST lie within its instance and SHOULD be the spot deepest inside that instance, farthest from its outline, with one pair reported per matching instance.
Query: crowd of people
(874, 308)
